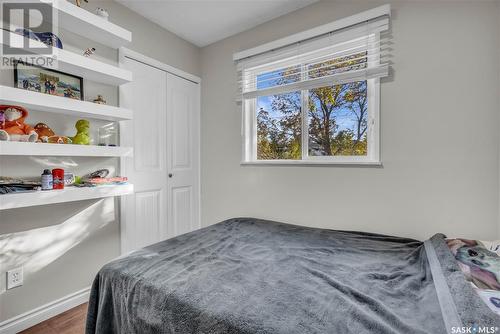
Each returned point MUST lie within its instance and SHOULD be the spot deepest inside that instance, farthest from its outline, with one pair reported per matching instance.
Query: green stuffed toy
(82, 136)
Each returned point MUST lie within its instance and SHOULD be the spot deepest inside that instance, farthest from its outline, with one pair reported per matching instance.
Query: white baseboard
(44, 312)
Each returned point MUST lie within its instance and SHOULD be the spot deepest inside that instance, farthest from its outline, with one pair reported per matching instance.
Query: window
(316, 101)
(337, 119)
(279, 126)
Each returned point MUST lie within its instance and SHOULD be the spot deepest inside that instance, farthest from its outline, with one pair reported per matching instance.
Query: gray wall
(440, 153)
(439, 119)
(151, 40)
(62, 246)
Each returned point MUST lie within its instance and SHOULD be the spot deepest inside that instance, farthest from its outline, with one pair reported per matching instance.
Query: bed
(246, 275)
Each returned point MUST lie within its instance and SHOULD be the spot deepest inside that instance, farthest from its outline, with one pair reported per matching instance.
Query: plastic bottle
(47, 181)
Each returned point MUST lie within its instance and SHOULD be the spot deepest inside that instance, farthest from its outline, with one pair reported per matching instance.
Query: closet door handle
(170, 174)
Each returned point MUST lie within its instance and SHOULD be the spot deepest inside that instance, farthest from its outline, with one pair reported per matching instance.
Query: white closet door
(183, 105)
(144, 214)
(165, 165)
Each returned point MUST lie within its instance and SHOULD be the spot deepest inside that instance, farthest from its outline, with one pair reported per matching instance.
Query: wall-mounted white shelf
(87, 24)
(82, 22)
(88, 68)
(61, 105)
(65, 150)
(69, 194)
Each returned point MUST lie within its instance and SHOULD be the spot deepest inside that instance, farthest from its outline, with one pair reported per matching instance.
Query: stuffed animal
(13, 127)
(47, 135)
(82, 136)
(44, 132)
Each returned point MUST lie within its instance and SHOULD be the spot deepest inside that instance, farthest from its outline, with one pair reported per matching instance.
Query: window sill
(365, 163)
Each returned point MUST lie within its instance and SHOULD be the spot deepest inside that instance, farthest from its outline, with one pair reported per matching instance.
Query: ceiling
(203, 22)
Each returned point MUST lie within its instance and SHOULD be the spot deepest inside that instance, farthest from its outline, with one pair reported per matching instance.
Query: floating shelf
(69, 194)
(89, 25)
(61, 105)
(65, 150)
(72, 63)
(91, 69)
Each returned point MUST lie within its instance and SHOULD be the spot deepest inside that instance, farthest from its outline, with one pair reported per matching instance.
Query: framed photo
(42, 80)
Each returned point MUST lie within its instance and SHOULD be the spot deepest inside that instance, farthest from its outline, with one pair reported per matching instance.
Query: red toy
(13, 127)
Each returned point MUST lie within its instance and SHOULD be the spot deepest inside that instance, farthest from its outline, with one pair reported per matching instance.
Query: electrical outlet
(14, 278)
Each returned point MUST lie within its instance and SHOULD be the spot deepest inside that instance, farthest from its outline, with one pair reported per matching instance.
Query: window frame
(249, 127)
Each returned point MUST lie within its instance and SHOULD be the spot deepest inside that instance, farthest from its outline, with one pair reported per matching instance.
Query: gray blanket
(252, 276)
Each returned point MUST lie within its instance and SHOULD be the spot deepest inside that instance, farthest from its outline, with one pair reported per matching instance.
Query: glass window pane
(324, 67)
(278, 77)
(338, 120)
(279, 126)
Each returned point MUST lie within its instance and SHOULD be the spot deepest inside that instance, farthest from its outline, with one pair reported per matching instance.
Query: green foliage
(279, 137)
(344, 143)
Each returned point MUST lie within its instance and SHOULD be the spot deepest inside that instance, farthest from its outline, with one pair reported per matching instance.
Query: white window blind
(357, 52)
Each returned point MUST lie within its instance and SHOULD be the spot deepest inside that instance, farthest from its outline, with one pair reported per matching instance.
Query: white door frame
(124, 52)
(127, 53)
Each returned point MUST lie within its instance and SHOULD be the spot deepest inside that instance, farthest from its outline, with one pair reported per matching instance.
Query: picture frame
(47, 81)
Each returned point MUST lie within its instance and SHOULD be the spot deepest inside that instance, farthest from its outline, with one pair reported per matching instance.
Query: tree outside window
(337, 115)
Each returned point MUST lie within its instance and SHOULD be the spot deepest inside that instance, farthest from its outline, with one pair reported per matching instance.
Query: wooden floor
(69, 322)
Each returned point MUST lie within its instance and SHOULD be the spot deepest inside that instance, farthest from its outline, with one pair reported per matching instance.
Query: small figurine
(102, 13)
(88, 52)
(79, 2)
(99, 100)
(13, 127)
(82, 136)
